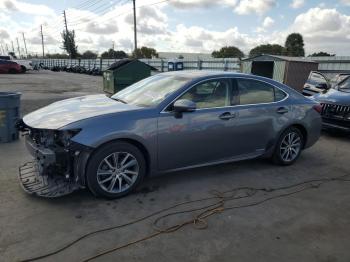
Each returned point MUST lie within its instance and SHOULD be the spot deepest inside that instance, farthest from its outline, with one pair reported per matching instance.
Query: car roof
(204, 73)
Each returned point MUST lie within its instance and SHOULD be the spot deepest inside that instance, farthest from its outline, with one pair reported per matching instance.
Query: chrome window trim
(228, 78)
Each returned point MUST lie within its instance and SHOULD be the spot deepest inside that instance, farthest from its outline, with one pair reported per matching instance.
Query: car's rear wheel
(115, 170)
(24, 69)
(289, 147)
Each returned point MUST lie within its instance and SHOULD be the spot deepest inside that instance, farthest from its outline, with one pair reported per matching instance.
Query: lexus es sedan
(167, 122)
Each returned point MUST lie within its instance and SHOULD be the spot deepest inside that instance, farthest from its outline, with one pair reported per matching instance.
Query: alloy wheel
(117, 172)
(290, 146)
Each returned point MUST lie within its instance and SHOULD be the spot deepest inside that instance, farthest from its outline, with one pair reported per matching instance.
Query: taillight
(318, 108)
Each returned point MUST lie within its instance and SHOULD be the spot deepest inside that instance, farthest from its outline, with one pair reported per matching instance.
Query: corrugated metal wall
(278, 70)
(297, 73)
(247, 67)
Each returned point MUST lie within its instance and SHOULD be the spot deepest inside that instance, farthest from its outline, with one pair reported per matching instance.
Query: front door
(202, 136)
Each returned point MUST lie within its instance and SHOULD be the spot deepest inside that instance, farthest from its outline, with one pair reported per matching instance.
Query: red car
(9, 67)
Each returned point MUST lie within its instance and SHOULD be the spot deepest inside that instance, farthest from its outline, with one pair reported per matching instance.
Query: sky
(200, 26)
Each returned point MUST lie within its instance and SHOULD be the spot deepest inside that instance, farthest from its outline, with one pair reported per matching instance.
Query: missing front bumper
(36, 183)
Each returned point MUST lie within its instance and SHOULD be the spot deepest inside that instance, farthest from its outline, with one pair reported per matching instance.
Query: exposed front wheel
(115, 170)
(289, 147)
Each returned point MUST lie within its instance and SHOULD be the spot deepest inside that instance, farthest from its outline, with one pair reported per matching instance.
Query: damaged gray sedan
(170, 121)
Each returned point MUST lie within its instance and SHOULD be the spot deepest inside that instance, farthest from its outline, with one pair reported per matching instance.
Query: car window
(345, 85)
(316, 78)
(152, 90)
(254, 92)
(279, 95)
(210, 94)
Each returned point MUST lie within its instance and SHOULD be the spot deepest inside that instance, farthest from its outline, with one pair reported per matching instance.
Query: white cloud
(267, 23)
(246, 7)
(324, 30)
(297, 3)
(4, 34)
(185, 4)
(27, 8)
(345, 2)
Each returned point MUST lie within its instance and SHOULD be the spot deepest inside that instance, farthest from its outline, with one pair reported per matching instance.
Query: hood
(334, 96)
(67, 111)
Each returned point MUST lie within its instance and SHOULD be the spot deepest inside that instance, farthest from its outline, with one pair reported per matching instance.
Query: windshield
(345, 85)
(150, 91)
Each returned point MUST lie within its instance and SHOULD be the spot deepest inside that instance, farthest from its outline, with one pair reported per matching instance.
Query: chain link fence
(220, 64)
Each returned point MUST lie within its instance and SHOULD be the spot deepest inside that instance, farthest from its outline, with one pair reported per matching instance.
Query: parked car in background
(318, 83)
(167, 122)
(9, 67)
(336, 106)
(25, 64)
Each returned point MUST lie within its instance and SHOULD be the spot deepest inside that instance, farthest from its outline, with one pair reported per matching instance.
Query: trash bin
(175, 65)
(9, 114)
(124, 73)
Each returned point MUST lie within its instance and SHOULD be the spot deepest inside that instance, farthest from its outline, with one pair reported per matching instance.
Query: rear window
(257, 92)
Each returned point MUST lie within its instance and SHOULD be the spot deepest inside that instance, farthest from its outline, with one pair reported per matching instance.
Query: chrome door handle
(282, 110)
(227, 116)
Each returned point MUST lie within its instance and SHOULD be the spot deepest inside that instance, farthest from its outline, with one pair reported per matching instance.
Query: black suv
(336, 106)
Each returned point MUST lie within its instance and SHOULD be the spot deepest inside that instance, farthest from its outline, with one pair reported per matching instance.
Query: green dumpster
(124, 73)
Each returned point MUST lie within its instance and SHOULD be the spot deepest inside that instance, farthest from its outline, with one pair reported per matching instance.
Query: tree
(267, 49)
(114, 54)
(322, 54)
(89, 55)
(294, 45)
(145, 52)
(227, 52)
(57, 56)
(68, 41)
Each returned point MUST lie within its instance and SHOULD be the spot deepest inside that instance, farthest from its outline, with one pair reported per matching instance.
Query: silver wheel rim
(117, 172)
(290, 146)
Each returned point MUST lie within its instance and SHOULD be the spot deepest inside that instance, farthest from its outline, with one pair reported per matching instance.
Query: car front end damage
(58, 164)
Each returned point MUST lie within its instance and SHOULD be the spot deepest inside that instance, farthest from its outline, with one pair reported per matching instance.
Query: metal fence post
(199, 63)
(101, 64)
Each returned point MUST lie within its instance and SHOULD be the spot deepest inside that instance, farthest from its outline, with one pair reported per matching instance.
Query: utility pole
(7, 48)
(19, 51)
(42, 39)
(25, 45)
(65, 23)
(13, 49)
(2, 49)
(65, 20)
(135, 29)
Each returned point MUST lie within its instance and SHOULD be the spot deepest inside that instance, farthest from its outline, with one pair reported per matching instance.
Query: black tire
(24, 69)
(277, 155)
(96, 160)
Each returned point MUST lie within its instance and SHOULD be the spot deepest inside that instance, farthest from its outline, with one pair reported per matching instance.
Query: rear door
(259, 113)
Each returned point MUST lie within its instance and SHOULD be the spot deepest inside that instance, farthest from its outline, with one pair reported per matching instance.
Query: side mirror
(323, 86)
(184, 105)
